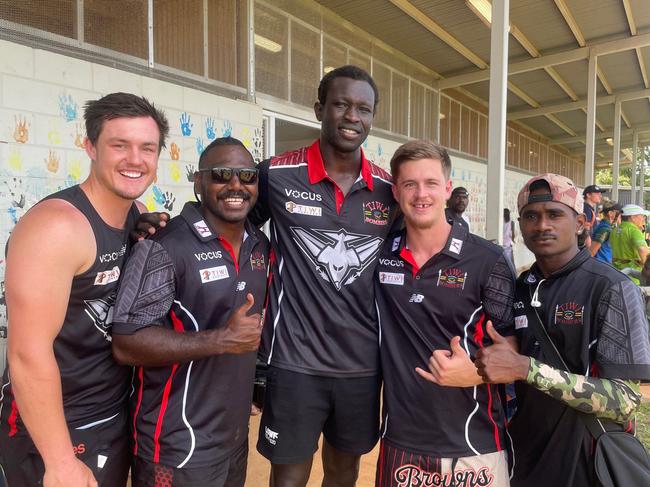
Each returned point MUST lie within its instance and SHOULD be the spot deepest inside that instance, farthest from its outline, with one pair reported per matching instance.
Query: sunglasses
(222, 175)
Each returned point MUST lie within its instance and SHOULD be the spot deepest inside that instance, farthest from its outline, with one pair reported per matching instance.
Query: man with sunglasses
(188, 314)
(330, 210)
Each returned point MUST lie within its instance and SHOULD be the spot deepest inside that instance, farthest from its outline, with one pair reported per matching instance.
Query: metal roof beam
(577, 105)
(604, 135)
(541, 62)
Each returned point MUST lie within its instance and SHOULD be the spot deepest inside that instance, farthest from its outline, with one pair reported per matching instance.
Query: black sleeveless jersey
(94, 386)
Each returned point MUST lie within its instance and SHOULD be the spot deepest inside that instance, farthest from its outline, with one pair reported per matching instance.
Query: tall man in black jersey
(189, 314)
(63, 417)
(330, 211)
(594, 316)
(437, 283)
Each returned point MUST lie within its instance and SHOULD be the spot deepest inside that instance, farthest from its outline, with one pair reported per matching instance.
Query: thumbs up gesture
(242, 332)
(451, 367)
(500, 363)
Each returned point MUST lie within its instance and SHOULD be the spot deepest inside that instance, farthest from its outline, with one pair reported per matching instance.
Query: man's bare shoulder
(55, 228)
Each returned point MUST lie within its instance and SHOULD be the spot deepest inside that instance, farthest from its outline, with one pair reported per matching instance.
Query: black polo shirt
(420, 309)
(321, 318)
(186, 278)
(595, 316)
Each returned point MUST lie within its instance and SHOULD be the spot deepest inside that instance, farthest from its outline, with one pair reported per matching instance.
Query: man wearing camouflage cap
(599, 329)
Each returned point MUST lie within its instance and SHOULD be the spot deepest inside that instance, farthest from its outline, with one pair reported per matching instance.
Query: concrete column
(436, 116)
(642, 175)
(591, 120)
(617, 150)
(497, 120)
(635, 150)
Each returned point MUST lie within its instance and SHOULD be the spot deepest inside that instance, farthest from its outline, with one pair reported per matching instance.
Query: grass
(643, 423)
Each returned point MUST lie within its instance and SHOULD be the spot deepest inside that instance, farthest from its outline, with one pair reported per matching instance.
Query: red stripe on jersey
(269, 279)
(161, 415)
(176, 322)
(497, 440)
(406, 254)
(13, 418)
(137, 409)
(289, 158)
(478, 331)
(231, 251)
(382, 459)
(375, 170)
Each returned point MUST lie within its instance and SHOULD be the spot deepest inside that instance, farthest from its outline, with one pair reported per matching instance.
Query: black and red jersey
(595, 316)
(420, 309)
(321, 318)
(186, 278)
(93, 385)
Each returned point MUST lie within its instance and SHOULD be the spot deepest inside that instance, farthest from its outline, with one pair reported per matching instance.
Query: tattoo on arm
(614, 399)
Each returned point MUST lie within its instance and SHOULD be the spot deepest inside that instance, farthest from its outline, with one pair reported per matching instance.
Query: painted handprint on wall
(199, 146)
(68, 107)
(15, 187)
(174, 151)
(169, 199)
(175, 172)
(226, 130)
(54, 135)
(186, 124)
(79, 136)
(209, 129)
(15, 160)
(52, 161)
(189, 172)
(21, 131)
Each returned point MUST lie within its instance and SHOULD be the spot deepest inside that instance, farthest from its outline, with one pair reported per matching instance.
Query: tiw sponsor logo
(112, 256)
(214, 274)
(106, 277)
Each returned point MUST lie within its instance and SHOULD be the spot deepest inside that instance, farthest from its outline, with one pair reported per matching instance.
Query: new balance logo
(271, 436)
(241, 285)
(416, 298)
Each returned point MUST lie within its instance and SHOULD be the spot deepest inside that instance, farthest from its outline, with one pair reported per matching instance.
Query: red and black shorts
(103, 445)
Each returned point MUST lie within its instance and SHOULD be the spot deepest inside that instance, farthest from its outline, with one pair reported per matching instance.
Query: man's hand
(500, 363)
(241, 333)
(451, 368)
(148, 223)
(69, 474)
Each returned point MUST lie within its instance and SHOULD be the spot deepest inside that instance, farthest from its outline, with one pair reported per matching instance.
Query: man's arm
(454, 367)
(643, 253)
(38, 282)
(606, 398)
(147, 291)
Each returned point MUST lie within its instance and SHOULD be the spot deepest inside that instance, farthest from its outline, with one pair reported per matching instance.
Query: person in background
(456, 206)
(629, 247)
(592, 195)
(600, 245)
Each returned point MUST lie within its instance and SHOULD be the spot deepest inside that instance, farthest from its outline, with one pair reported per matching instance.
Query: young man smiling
(188, 313)
(436, 287)
(64, 399)
(599, 329)
(330, 211)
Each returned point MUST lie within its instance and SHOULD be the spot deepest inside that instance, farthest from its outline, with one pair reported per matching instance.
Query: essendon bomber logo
(257, 261)
(452, 277)
(340, 257)
(375, 212)
(101, 313)
(412, 476)
(568, 314)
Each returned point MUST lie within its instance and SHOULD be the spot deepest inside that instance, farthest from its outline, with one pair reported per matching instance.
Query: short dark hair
(348, 71)
(220, 142)
(119, 105)
(415, 150)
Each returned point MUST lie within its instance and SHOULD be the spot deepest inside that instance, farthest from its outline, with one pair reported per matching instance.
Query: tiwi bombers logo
(101, 314)
(340, 257)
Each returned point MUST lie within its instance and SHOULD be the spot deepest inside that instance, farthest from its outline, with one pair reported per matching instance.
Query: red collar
(316, 167)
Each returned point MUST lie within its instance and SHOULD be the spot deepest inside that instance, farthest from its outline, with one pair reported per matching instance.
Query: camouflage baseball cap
(562, 190)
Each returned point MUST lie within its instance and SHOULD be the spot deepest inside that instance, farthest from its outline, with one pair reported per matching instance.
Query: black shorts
(229, 472)
(298, 407)
(103, 447)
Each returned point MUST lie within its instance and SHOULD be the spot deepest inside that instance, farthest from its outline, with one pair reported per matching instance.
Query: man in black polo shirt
(436, 283)
(599, 329)
(593, 195)
(330, 211)
(183, 315)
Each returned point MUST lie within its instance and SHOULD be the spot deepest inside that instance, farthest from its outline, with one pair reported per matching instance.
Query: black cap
(592, 188)
(460, 191)
(612, 206)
